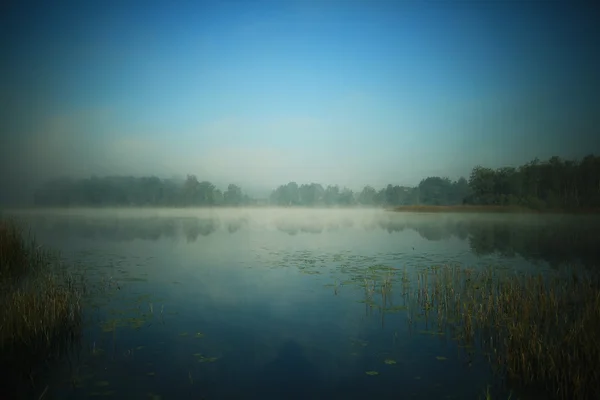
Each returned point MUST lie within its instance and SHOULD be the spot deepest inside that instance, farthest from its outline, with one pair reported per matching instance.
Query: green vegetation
(40, 317)
(131, 191)
(554, 184)
(465, 208)
(537, 331)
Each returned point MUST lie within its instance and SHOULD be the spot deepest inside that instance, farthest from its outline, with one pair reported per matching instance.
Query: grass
(537, 330)
(40, 305)
(490, 209)
(465, 208)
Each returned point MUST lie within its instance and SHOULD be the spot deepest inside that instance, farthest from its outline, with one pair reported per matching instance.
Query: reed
(538, 330)
(40, 305)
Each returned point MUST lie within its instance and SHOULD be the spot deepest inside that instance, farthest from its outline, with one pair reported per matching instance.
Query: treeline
(131, 191)
(555, 183)
(432, 190)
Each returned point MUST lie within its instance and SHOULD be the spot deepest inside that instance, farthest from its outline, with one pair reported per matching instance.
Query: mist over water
(265, 303)
(553, 239)
(200, 112)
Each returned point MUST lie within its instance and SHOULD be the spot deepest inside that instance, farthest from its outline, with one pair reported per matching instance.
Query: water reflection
(269, 305)
(286, 376)
(555, 240)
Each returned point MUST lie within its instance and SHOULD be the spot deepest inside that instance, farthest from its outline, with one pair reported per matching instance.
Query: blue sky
(265, 92)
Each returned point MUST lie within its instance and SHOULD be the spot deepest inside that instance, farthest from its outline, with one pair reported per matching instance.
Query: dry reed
(40, 304)
(539, 330)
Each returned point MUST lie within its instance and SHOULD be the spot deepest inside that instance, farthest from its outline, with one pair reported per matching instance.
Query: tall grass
(538, 330)
(40, 305)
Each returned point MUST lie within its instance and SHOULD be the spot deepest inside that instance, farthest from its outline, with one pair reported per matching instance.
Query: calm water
(263, 304)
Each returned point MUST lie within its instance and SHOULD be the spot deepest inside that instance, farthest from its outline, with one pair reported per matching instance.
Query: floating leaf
(199, 335)
(207, 359)
(133, 279)
(183, 334)
(109, 326)
(372, 373)
(441, 358)
(433, 333)
(358, 342)
(389, 361)
(396, 309)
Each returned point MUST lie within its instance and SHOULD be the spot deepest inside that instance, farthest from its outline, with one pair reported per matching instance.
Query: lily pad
(97, 351)
(389, 361)
(396, 309)
(372, 373)
(433, 333)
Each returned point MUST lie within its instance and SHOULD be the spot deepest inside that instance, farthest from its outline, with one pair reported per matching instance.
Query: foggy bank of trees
(432, 190)
(131, 191)
(555, 183)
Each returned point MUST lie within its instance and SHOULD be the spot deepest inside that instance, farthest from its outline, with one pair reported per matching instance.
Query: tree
(206, 193)
(332, 195)
(233, 196)
(554, 183)
(311, 194)
(482, 181)
(346, 198)
(435, 191)
(368, 196)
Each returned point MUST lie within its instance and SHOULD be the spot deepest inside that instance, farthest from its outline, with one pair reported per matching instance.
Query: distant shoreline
(409, 209)
(488, 209)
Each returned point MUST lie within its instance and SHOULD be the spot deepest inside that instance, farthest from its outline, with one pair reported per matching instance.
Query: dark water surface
(270, 304)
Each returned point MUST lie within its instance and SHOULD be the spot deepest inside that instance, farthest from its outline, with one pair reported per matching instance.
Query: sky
(261, 93)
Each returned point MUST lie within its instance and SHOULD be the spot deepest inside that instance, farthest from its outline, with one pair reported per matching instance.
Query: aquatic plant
(537, 329)
(40, 312)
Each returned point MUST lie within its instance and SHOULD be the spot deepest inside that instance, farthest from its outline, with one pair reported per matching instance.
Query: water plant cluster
(41, 308)
(539, 331)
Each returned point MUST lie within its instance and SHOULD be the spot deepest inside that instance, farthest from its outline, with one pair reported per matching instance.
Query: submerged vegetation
(40, 313)
(538, 331)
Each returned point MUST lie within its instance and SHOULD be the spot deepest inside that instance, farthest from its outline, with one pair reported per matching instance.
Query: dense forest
(554, 184)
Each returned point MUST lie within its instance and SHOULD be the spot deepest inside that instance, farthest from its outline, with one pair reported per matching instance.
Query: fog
(262, 95)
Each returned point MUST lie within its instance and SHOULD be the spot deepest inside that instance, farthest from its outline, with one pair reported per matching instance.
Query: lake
(273, 303)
